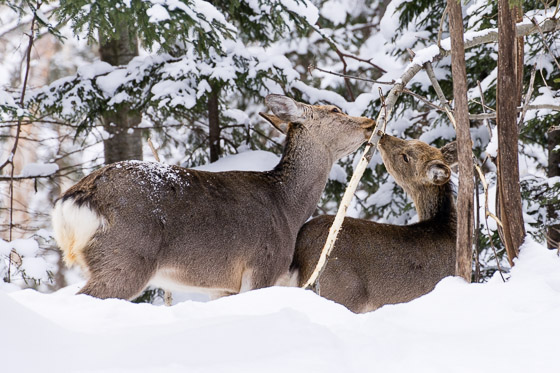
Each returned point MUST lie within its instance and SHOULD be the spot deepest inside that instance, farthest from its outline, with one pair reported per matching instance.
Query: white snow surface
(458, 327)
(39, 169)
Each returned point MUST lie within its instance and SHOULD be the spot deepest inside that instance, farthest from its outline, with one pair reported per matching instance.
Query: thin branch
(312, 67)
(534, 21)
(440, 30)
(528, 96)
(486, 122)
(333, 45)
(529, 107)
(423, 99)
(430, 71)
(488, 214)
(153, 149)
(346, 80)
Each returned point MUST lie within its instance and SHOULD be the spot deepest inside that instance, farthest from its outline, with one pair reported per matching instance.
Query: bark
(553, 170)
(509, 194)
(125, 141)
(214, 124)
(464, 143)
(517, 14)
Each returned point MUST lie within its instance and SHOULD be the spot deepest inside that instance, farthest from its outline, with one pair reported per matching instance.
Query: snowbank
(492, 327)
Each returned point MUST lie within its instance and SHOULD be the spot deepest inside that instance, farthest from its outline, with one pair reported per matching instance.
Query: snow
(39, 169)
(157, 13)
(257, 160)
(303, 8)
(5, 247)
(458, 327)
(25, 246)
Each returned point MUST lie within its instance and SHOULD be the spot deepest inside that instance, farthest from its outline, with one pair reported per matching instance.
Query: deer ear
(438, 172)
(285, 108)
(449, 152)
(278, 123)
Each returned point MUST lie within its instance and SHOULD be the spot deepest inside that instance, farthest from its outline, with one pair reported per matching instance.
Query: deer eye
(405, 158)
(335, 110)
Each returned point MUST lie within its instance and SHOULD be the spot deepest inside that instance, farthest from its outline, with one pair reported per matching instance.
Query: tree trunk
(509, 194)
(125, 141)
(463, 266)
(214, 124)
(553, 170)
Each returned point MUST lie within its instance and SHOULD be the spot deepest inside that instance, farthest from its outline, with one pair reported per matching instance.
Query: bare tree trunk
(553, 170)
(509, 194)
(125, 141)
(465, 217)
(214, 124)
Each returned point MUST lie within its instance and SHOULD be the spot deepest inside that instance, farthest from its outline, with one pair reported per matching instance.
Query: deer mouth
(368, 127)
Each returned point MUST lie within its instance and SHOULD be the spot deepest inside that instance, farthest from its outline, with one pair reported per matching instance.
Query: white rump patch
(74, 227)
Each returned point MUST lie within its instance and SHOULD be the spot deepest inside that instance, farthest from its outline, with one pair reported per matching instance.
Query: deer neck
(302, 173)
(435, 203)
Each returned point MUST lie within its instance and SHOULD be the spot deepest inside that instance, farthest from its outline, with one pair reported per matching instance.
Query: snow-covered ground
(458, 327)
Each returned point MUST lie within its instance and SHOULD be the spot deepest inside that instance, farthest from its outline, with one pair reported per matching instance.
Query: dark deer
(373, 264)
(130, 224)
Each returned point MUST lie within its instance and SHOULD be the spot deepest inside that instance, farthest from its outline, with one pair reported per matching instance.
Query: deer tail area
(74, 227)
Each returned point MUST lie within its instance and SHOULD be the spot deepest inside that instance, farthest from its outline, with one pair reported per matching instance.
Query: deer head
(318, 120)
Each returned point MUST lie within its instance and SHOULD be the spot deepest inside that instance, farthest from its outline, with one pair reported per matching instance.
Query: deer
(132, 224)
(373, 264)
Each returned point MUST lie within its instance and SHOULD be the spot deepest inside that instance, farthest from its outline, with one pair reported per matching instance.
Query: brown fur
(373, 264)
(215, 231)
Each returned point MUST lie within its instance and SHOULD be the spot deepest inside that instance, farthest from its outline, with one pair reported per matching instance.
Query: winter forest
(84, 84)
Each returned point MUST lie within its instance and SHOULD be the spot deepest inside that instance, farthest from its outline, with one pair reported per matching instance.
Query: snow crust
(458, 327)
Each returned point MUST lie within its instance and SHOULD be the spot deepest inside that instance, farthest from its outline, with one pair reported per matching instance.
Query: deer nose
(369, 123)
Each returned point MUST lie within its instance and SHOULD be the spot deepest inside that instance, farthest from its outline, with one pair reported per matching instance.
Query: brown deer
(130, 224)
(373, 264)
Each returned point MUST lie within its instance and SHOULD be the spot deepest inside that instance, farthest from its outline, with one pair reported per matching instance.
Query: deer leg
(124, 281)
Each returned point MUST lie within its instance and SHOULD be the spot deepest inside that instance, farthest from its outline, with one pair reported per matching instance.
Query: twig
(154, 151)
(312, 67)
(483, 109)
(430, 71)
(346, 80)
(440, 30)
(384, 106)
(477, 232)
(487, 213)
(423, 99)
(527, 96)
(333, 45)
(529, 107)
(12, 154)
(534, 21)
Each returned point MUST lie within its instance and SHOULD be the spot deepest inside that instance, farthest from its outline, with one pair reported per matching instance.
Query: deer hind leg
(117, 270)
(123, 282)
